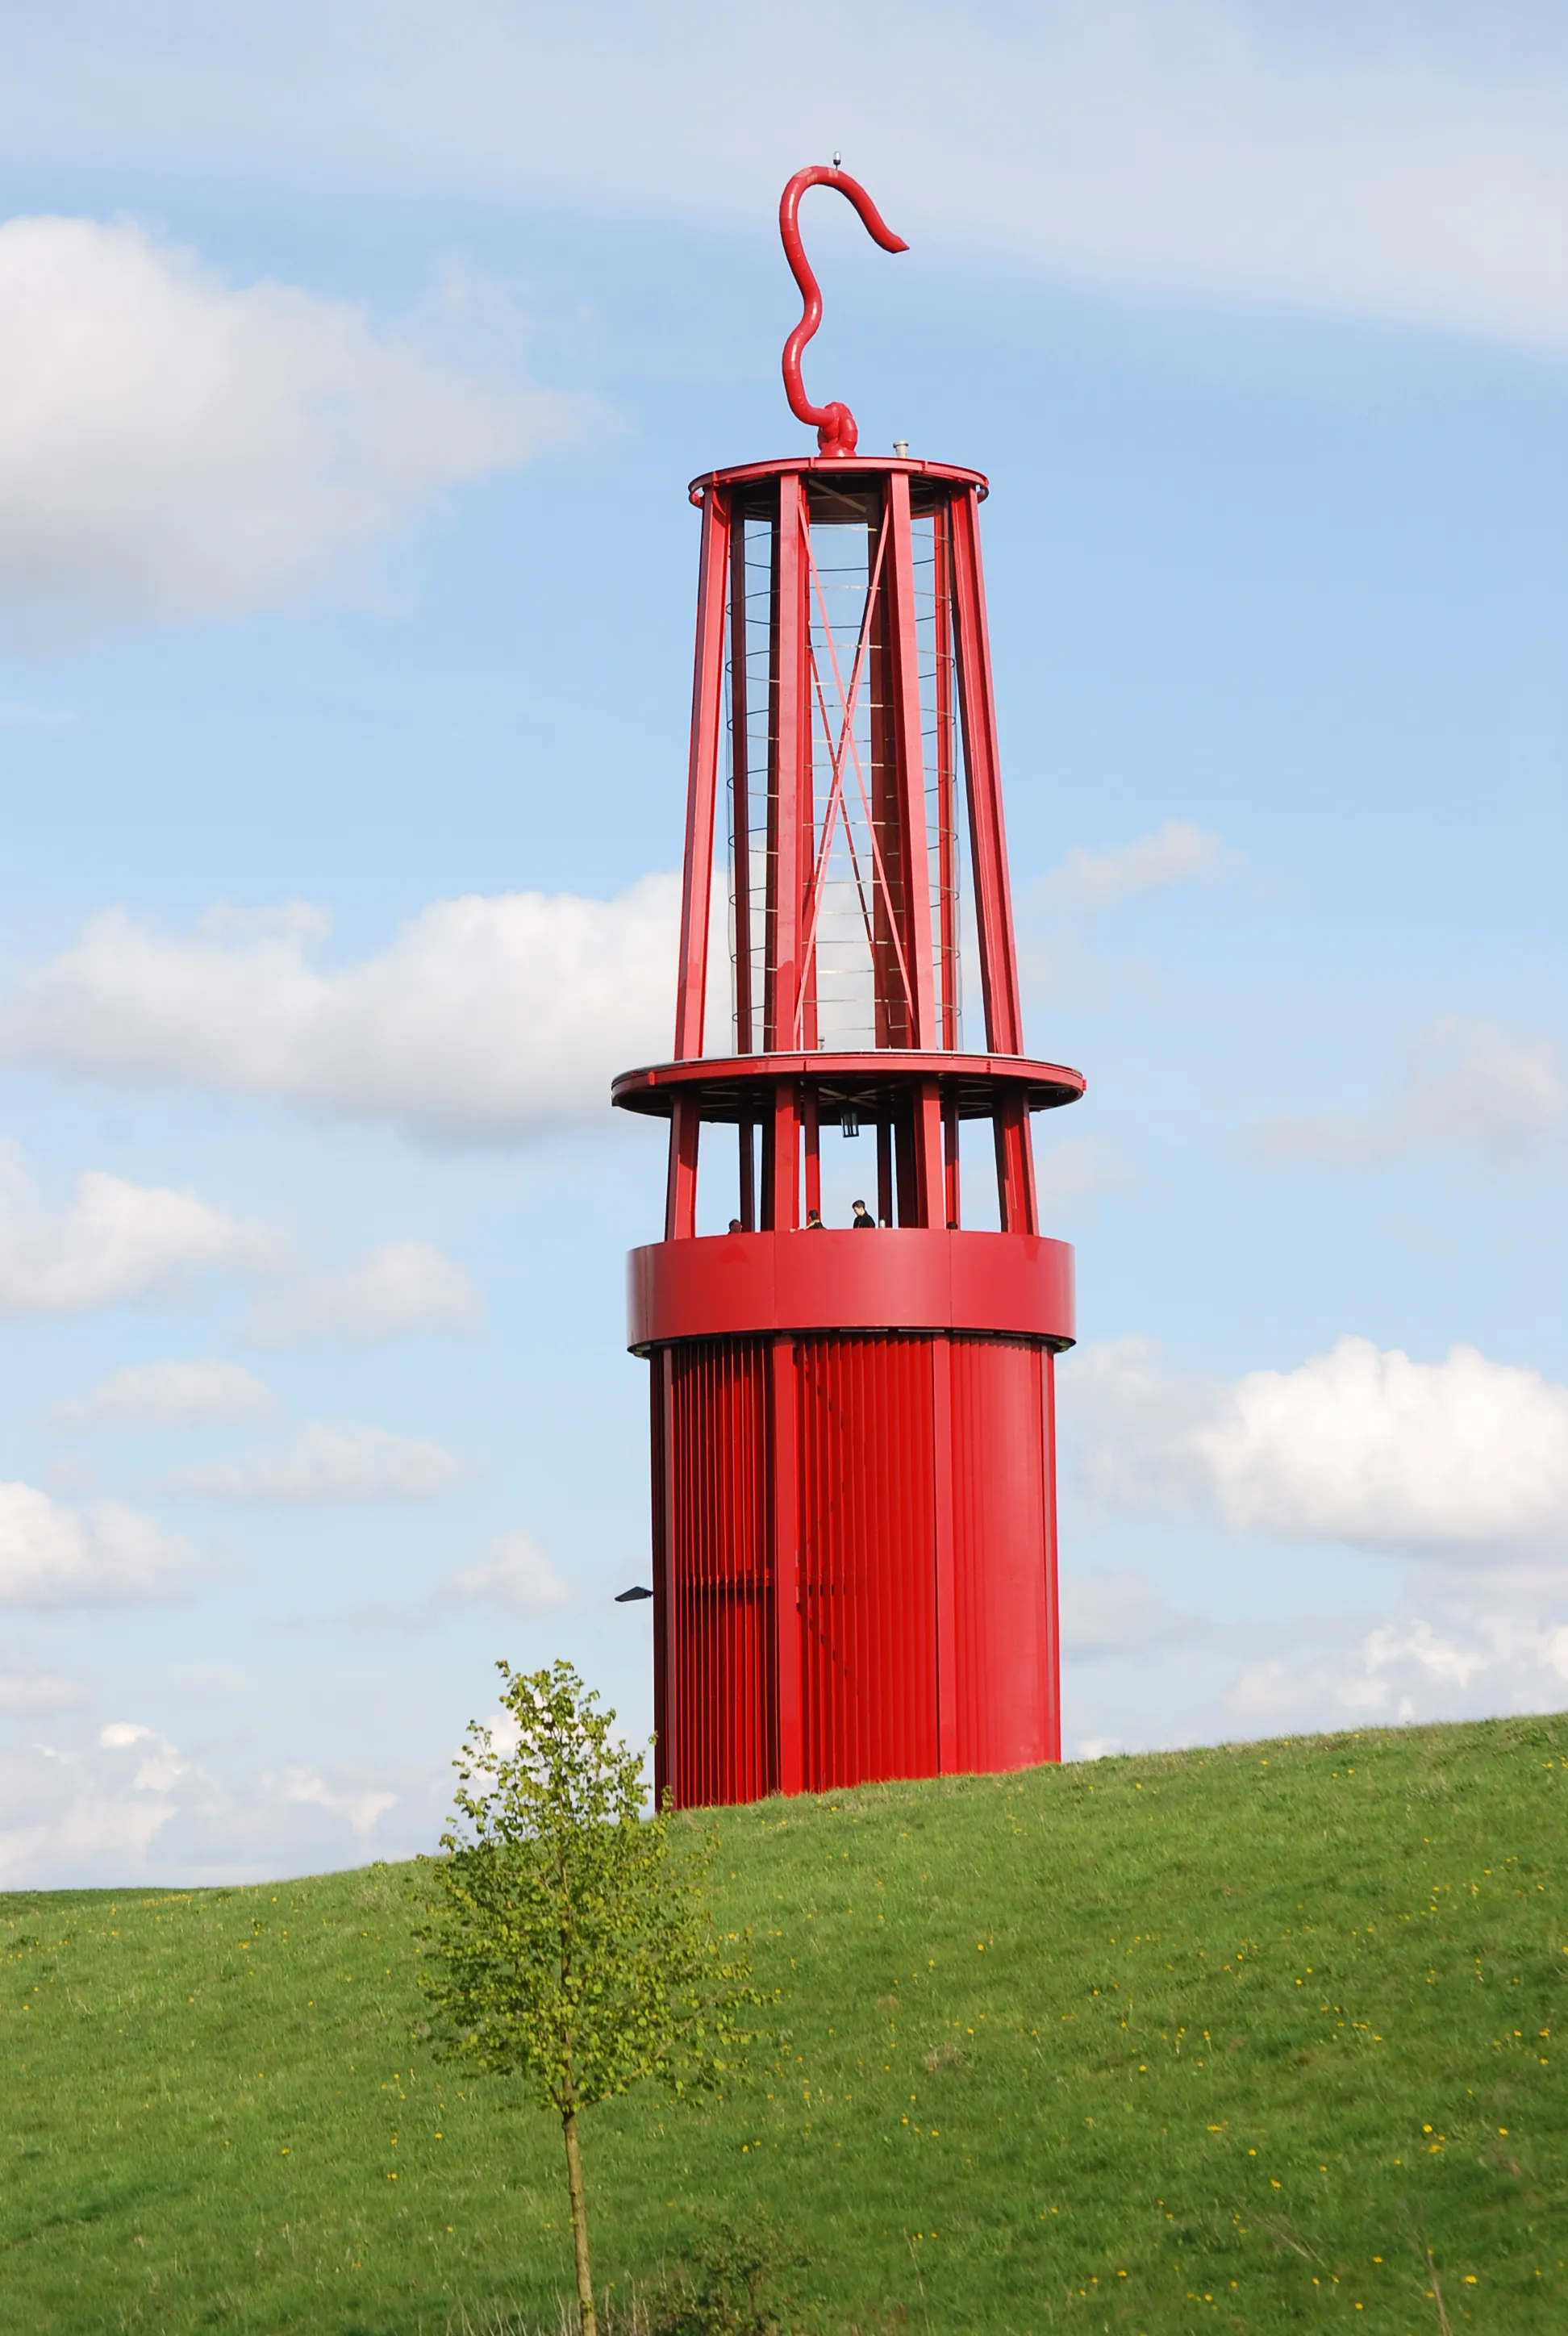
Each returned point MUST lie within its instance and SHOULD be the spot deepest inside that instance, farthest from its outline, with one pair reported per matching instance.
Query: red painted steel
(835, 425)
(867, 1618)
(1004, 1648)
(912, 1278)
(854, 1440)
(972, 1082)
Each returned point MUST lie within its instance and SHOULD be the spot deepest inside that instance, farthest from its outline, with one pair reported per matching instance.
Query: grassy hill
(1218, 2039)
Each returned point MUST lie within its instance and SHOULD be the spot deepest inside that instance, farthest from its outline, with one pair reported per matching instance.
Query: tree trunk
(579, 2223)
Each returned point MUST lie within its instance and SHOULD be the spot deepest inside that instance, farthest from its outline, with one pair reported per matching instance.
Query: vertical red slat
(1051, 1649)
(747, 1172)
(944, 1585)
(784, 1159)
(909, 784)
(1015, 1168)
(740, 765)
(660, 1492)
(947, 808)
(740, 774)
(868, 1574)
(680, 1187)
(784, 1461)
(811, 1136)
(1003, 1560)
(951, 1187)
(766, 1180)
(907, 1158)
(805, 813)
(720, 1652)
(791, 748)
(982, 769)
(702, 778)
(893, 1022)
(928, 1108)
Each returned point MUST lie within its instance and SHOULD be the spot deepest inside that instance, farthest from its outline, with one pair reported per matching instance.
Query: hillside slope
(1213, 2039)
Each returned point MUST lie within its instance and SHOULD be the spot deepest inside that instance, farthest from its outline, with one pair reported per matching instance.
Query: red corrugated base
(917, 1518)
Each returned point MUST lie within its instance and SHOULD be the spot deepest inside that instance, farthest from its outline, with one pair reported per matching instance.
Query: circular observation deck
(929, 482)
(731, 1088)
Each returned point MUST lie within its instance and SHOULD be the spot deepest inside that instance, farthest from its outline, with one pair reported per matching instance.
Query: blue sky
(362, 356)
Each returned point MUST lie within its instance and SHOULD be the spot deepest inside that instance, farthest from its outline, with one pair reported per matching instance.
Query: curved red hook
(835, 425)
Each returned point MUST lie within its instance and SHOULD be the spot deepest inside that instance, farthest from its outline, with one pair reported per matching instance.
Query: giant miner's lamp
(854, 1440)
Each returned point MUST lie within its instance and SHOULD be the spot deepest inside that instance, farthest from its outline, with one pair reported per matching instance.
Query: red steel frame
(853, 1441)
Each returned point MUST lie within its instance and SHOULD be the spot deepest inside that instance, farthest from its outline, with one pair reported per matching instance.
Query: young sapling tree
(568, 1939)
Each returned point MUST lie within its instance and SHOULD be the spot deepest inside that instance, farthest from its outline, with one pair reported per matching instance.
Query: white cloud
(512, 1572)
(1373, 1449)
(125, 1805)
(165, 1394)
(1056, 951)
(1118, 1613)
(329, 1461)
(171, 446)
(402, 1285)
(114, 1242)
(1446, 1647)
(362, 1807)
(1466, 1084)
(106, 1554)
(29, 1694)
(1434, 1655)
(487, 1016)
(1128, 1421)
(1455, 1474)
(1384, 161)
(1356, 1446)
(157, 1764)
(1174, 854)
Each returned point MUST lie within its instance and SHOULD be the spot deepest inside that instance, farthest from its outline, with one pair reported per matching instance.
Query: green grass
(1217, 2039)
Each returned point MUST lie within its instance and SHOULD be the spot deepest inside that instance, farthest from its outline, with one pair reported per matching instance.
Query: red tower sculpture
(853, 1435)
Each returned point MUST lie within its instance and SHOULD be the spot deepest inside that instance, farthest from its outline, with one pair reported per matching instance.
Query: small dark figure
(735, 1226)
(815, 1221)
(864, 1220)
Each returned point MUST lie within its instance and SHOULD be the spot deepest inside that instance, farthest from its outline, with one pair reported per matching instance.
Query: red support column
(950, 1192)
(988, 836)
(893, 1019)
(680, 1192)
(907, 1159)
(813, 1167)
(1015, 1168)
(942, 1429)
(785, 1216)
(791, 743)
(785, 1467)
(663, 1549)
(740, 767)
(946, 746)
(1051, 1655)
(702, 780)
(740, 789)
(904, 690)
